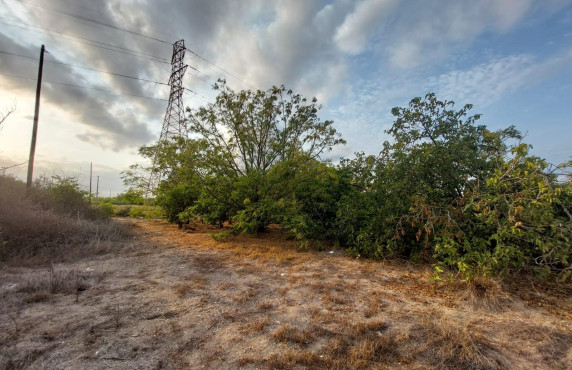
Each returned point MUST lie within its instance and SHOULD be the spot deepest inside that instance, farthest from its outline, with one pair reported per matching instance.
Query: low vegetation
(52, 222)
(179, 300)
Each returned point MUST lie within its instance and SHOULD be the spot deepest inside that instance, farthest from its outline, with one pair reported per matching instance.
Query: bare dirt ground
(177, 299)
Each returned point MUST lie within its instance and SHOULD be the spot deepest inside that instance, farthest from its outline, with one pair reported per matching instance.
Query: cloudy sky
(512, 59)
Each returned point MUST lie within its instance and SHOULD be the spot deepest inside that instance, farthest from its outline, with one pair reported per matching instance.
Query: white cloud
(484, 83)
(428, 31)
(352, 35)
(487, 83)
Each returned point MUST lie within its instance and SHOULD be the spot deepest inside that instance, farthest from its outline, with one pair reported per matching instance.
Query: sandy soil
(177, 299)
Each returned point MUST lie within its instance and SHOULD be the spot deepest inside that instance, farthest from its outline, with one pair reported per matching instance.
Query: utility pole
(90, 175)
(35, 128)
(97, 191)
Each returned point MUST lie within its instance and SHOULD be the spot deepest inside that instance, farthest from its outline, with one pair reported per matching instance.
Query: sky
(511, 59)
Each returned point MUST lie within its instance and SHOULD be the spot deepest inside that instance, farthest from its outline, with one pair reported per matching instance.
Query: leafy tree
(242, 163)
(250, 131)
(131, 196)
(454, 192)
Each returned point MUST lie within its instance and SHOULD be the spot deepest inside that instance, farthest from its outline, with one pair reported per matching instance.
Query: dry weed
(443, 344)
(265, 305)
(289, 333)
(245, 296)
(191, 284)
(483, 293)
(255, 326)
(32, 236)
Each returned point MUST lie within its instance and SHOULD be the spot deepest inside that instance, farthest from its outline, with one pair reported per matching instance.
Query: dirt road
(178, 299)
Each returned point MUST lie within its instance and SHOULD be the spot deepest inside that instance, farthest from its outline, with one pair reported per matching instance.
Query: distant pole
(35, 128)
(97, 191)
(90, 176)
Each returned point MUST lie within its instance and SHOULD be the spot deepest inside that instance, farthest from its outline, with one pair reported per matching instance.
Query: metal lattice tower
(174, 122)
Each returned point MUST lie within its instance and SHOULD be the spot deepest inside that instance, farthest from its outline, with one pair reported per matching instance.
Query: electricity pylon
(174, 122)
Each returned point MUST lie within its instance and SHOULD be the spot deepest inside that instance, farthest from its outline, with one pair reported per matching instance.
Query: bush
(60, 194)
(30, 233)
(106, 209)
(513, 220)
(122, 211)
(146, 212)
(451, 192)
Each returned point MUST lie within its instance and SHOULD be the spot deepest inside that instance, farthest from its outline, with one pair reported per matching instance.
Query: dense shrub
(106, 209)
(122, 210)
(449, 191)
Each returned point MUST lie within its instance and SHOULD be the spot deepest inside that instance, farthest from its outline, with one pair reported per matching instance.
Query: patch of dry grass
(191, 284)
(289, 333)
(321, 312)
(255, 326)
(30, 235)
(446, 345)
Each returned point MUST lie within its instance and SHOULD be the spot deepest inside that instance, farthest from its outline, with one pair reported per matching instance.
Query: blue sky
(511, 59)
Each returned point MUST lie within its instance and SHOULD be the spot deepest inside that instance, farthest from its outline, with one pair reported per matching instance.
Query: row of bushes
(443, 190)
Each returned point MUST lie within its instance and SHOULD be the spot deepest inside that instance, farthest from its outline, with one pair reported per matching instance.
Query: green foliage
(176, 199)
(106, 209)
(246, 161)
(62, 194)
(449, 191)
(146, 212)
(223, 236)
(122, 210)
(131, 196)
(516, 218)
(444, 190)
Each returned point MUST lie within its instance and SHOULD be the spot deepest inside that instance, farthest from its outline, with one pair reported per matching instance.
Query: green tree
(250, 131)
(229, 169)
(449, 190)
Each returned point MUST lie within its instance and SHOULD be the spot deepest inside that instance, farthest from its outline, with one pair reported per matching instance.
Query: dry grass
(192, 284)
(446, 345)
(205, 303)
(255, 326)
(30, 235)
(288, 333)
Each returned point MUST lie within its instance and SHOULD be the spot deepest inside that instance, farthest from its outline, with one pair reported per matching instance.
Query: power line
(111, 73)
(84, 87)
(135, 33)
(197, 94)
(143, 55)
(126, 51)
(102, 71)
(87, 68)
(14, 165)
(86, 39)
(222, 69)
(86, 19)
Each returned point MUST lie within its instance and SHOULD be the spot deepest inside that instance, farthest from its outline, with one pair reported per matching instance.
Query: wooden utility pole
(35, 128)
(90, 172)
(97, 191)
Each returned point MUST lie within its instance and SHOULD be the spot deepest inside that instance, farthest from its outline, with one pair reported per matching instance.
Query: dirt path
(178, 299)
